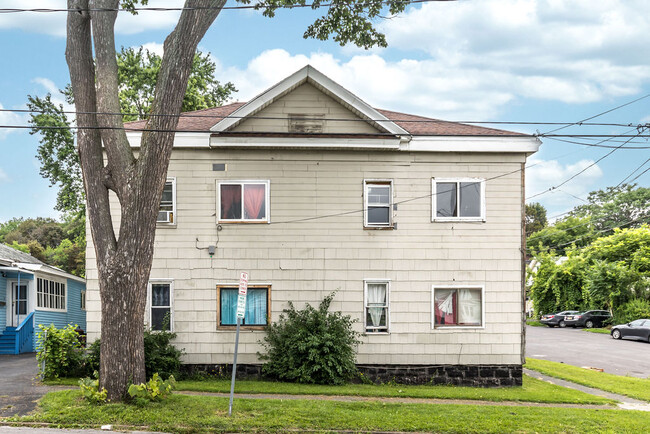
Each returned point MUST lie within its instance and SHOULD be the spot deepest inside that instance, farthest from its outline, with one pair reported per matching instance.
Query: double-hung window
(376, 306)
(458, 199)
(243, 201)
(160, 309)
(51, 294)
(457, 307)
(167, 211)
(257, 312)
(378, 203)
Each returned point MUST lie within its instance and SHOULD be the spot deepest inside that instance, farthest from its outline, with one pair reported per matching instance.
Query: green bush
(633, 309)
(160, 356)
(60, 353)
(153, 390)
(311, 346)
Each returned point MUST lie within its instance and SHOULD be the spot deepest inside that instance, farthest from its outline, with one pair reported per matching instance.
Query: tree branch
(118, 151)
(79, 57)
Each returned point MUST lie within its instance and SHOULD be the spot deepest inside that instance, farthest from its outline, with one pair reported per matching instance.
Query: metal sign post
(241, 313)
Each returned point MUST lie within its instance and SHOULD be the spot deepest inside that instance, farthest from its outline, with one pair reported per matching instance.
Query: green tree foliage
(137, 75)
(57, 153)
(610, 273)
(62, 245)
(624, 206)
(633, 309)
(564, 235)
(46, 231)
(535, 218)
(311, 345)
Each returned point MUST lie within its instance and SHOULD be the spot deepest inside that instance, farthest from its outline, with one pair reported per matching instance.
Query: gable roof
(9, 254)
(221, 120)
(203, 120)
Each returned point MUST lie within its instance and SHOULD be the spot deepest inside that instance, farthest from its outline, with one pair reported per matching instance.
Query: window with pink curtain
(254, 206)
(457, 307)
(243, 201)
(231, 201)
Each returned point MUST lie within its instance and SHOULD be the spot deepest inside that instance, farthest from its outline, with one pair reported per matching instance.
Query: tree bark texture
(108, 163)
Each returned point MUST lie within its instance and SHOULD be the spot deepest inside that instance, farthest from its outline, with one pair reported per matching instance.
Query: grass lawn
(638, 388)
(603, 331)
(206, 413)
(534, 323)
(533, 390)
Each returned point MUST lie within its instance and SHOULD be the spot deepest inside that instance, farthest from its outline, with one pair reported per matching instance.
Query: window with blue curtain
(256, 306)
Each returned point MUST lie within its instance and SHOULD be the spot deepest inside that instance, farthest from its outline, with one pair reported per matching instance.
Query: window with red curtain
(243, 201)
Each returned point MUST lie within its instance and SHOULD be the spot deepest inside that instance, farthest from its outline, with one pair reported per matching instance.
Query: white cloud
(10, 118)
(577, 51)
(3, 176)
(413, 86)
(153, 47)
(542, 175)
(53, 23)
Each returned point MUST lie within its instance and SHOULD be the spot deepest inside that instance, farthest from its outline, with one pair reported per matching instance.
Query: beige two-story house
(417, 224)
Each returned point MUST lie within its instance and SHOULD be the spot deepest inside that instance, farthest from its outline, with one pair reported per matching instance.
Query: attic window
(308, 124)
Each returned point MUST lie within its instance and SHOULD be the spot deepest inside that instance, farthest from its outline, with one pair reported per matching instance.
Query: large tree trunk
(124, 261)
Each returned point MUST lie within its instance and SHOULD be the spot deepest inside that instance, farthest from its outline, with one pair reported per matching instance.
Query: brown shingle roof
(203, 120)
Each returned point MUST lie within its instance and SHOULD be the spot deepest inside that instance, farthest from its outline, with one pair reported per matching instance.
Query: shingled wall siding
(304, 261)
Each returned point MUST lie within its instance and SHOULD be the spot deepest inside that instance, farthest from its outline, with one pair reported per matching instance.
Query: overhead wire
(195, 8)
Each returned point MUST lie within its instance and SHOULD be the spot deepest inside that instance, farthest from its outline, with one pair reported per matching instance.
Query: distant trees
(535, 218)
(57, 244)
(596, 258)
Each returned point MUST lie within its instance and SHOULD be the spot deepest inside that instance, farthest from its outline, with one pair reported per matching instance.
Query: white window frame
(377, 182)
(365, 306)
(267, 202)
(434, 200)
(171, 303)
(457, 327)
(82, 295)
(65, 296)
(171, 180)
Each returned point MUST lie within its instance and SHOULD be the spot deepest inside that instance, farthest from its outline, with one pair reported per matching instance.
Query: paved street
(580, 348)
(19, 388)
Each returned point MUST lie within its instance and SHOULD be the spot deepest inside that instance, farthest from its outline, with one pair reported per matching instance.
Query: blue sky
(488, 60)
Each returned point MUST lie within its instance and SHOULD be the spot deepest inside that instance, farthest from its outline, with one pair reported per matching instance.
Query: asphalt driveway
(19, 386)
(581, 348)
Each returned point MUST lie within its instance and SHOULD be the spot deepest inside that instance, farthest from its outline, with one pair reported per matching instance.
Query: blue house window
(257, 306)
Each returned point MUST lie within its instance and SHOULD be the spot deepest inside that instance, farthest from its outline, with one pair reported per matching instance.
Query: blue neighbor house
(33, 293)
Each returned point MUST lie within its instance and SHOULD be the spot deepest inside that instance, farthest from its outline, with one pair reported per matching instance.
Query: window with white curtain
(167, 211)
(458, 199)
(457, 307)
(376, 306)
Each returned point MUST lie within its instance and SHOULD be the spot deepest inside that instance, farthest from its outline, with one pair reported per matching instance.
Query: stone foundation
(456, 375)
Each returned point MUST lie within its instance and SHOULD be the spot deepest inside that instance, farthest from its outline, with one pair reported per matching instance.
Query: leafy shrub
(633, 309)
(160, 356)
(153, 390)
(90, 390)
(59, 351)
(311, 345)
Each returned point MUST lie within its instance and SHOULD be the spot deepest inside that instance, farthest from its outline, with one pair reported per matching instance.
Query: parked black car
(556, 319)
(638, 329)
(589, 319)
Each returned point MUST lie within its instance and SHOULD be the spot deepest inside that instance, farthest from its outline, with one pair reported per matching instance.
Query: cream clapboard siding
(309, 101)
(304, 261)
